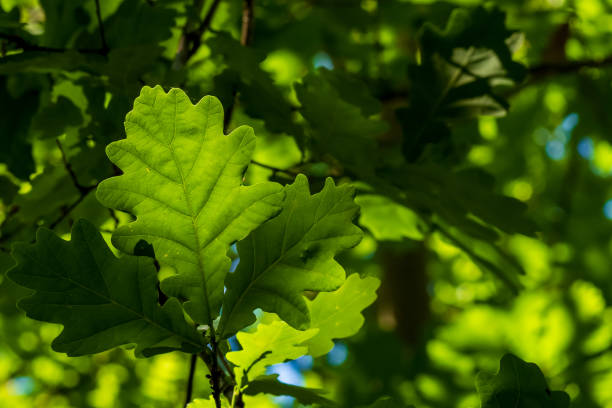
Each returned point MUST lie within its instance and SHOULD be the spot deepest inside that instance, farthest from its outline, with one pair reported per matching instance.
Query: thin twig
(545, 70)
(192, 366)
(101, 28)
(248, 21)
(246, 38)
(83, 190)
(191, 39)
(67, 211)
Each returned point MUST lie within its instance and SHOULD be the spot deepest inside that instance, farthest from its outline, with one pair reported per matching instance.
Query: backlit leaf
(292, 253)
(337, 314)
(183, 181)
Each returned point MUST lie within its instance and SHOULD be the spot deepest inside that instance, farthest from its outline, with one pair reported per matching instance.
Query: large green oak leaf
(290, 254)
(101, 300)
(183, 182)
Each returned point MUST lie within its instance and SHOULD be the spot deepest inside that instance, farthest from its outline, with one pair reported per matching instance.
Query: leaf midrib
(193, 219)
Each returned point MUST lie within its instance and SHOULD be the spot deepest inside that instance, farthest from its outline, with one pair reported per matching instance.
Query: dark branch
(550, 69)
(83, 190)
(248, 21)
(66, 211)
(101, 28)
(27, 46)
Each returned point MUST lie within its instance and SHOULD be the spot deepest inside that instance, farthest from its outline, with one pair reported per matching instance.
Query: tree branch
(101, 28)
(549, 69)
(248, 21)
(27, 46)
(83, 190)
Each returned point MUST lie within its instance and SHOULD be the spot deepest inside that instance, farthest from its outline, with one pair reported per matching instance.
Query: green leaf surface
(338, 127)
(272, 342)
(15, 119)
(64, 21)
(52, 120)
(183, 181)
(387, 220)
(518, 384)
(101, 301)
(8, 190)
(352, 90)
(259, 95)
(292, 253)
(462, 70)
(269, 384)
(337, 314)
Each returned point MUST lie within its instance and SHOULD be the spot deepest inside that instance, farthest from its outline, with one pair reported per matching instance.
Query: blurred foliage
(481, 152)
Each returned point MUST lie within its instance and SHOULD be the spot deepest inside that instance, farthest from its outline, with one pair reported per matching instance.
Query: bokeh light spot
(607, 209)
(337, 356)
(322, 59)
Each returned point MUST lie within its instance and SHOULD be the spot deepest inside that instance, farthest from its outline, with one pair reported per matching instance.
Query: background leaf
(518, 384)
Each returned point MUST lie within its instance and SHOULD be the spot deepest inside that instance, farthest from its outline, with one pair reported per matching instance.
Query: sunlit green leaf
(183, 181)
(387, 220)
(291, 253)
(338, 127)
(337, 314)
(273, 342)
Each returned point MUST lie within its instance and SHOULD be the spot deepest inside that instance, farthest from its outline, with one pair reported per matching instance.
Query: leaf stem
(189, 391)
(214, 371)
